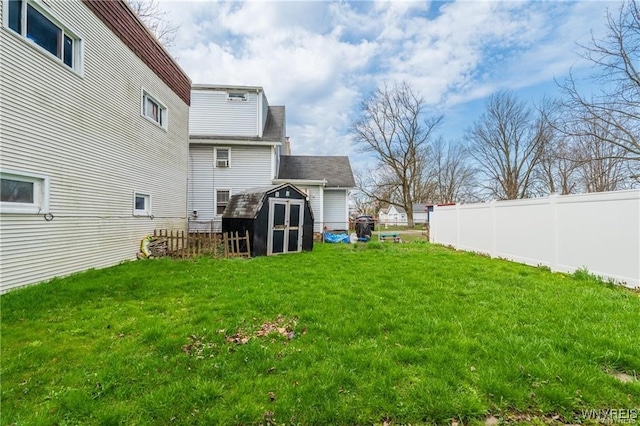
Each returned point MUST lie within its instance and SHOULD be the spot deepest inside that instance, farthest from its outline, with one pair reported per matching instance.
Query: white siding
(87, 134)
(213, 114)
(315, 200)
(336, 209)
(251, 166)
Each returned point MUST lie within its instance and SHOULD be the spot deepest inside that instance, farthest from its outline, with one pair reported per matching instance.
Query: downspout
(260, 112)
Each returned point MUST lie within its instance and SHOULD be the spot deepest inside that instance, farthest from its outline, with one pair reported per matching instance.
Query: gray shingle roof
(274, 129)
(247, 204)
(398, 209)
(336, 170)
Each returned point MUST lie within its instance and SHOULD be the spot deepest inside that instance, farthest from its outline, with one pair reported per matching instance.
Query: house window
(33, 23)
(223, 157)
(141, 204)
(154, 110)
(237, 96)
(222, 199)
(23, 192)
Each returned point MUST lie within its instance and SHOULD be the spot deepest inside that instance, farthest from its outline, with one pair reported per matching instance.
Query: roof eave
(322, 182)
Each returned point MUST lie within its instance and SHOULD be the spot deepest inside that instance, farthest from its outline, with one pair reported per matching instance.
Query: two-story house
(237, 141)
(235, 138)
(93, 131)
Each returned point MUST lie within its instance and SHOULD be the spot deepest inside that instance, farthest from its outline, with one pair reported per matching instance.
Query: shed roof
(248, 203)
(335, 170)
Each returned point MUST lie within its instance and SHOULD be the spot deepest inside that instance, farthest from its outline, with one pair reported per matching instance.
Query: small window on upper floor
(223, 157)
(31, 21)
(23, 192)
(237, 96)
(154, 110)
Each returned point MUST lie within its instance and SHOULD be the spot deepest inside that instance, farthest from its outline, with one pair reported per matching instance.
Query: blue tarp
(337, 238)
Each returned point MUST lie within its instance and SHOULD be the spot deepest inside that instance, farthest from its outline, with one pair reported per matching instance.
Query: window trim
(142, 212)
(238, 96)
(41, 193)
(216, 199)
(215, 157)
(163, 110)
(39, 6)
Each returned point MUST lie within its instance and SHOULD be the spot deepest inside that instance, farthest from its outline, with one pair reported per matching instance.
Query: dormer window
(237, 96)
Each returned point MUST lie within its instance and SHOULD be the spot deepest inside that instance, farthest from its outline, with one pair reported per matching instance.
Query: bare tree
(558, 170)
(394, 127)
(155, 18)
(559, 166)
(452, 175)
(600, 165)
(507, 142)
(616, 105)
(363, 204)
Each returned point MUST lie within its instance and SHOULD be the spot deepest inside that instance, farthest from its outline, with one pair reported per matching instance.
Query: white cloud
(320, 58)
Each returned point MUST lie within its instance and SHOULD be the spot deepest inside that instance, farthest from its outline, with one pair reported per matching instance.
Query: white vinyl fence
(599, 232)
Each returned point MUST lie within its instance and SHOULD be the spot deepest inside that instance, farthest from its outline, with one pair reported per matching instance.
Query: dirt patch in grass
(624, 377)
(282, 325)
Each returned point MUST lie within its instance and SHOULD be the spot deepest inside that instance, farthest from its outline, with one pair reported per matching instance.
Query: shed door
(286, 218)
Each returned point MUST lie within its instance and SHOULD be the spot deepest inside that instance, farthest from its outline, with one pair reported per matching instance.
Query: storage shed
(279, 219)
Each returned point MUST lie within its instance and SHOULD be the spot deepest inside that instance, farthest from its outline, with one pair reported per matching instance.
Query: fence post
(553, 210)
(494, 228)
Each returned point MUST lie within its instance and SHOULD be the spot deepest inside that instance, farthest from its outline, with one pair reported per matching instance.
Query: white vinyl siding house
(336, 209)
(419, 213)
(79, 132)
(393, 215)
(327, 181)
(248, 165)
(316, 201)
(213, 112)
(234, 144)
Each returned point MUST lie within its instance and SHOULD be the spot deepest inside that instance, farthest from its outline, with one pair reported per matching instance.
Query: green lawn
(363, 334)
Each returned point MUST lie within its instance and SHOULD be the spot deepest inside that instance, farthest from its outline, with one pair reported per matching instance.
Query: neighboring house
(419, 213)
(235, 139)
(327, 181)
(393, 215)
(93, 136)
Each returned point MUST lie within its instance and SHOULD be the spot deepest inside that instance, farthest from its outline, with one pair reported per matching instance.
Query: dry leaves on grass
(282, 325)
(197, 346)
(200, 348)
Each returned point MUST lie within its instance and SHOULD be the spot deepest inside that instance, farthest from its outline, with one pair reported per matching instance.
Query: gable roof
(398, 209)
(334, 169)
(274, 130)
(419, 208)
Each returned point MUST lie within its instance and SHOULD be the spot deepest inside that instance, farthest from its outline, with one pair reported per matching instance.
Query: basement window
(141, 204)
(33, 23)
(22, 192)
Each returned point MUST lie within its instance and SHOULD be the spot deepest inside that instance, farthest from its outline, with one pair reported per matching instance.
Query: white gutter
(223, 142)
(322, 182)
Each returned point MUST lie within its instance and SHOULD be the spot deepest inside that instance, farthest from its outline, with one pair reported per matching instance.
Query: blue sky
(320, 59)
